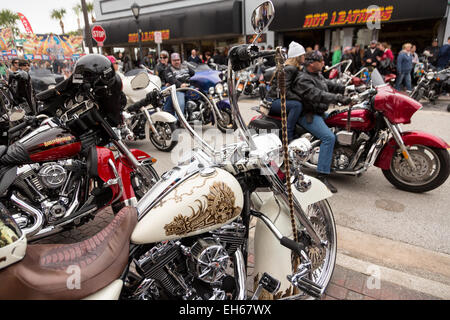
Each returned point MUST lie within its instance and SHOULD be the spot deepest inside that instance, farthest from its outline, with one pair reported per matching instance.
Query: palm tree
(8, 19)
(90, 9)
(59, 15)
(77, 9)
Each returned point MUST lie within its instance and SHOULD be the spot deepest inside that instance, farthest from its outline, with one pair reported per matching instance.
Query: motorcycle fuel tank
(201, 203)
(360, 119)
(49, 143)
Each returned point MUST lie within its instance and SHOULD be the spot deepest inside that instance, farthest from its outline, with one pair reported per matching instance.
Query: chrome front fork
(396, 133)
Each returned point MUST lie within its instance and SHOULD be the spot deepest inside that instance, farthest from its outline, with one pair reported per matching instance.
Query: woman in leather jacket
(316, 94)
(296, 56)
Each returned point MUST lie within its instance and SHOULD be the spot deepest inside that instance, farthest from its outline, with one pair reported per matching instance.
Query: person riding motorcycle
(179, 75)
(161, 66)
(296, 56)
(316, 94)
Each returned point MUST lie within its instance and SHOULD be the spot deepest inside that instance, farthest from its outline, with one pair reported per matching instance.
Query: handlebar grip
(21, 126)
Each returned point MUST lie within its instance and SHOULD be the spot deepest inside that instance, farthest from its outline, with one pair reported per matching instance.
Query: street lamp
(135, 8)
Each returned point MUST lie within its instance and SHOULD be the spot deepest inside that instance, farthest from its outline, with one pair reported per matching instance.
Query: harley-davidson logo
(58, 140)
(220, 208)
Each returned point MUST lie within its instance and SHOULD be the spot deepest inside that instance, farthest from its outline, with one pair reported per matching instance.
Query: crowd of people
(62, 67)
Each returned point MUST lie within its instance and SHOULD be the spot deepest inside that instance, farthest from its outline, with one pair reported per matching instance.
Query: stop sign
(98, 34)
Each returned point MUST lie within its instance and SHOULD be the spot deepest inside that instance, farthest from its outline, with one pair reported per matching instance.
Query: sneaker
(324, 179)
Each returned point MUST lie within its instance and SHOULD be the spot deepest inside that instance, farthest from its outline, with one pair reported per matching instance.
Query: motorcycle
(431, 85)
(188, 237)
(248, 82)
(149, 122)
(58, 175)
(206, 98)
(369, 133)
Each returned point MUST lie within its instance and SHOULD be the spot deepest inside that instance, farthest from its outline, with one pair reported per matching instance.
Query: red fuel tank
(360, 119)
(51, 143)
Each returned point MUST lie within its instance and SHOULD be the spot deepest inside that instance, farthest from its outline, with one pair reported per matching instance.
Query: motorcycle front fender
(163, 116)
(270, 256)
(410, 138)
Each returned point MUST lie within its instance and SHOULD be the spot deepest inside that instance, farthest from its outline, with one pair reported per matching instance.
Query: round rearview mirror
(262, 16)
(140, 81)
(16, 115)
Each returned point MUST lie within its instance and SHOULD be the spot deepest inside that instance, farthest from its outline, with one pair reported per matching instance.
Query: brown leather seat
(47, 271)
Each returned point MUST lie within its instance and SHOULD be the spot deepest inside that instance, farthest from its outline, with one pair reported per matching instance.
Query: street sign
(158, 37)
(99, 35)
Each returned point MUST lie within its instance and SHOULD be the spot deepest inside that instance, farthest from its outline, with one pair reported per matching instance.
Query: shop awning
(312, 14)
(183, 23)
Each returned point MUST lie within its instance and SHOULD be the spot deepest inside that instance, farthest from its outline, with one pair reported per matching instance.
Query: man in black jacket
(370, 55)
(179, 75)
(161, 67)
(316, 94)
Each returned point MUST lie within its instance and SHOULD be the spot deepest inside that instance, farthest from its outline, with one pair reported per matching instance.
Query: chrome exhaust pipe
(35, 213)
(240, 275)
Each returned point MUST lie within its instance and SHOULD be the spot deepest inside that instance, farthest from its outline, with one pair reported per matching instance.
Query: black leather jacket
(315, 91)
(291, 73)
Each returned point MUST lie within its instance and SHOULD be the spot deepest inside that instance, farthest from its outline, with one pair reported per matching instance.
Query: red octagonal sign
(98, 34)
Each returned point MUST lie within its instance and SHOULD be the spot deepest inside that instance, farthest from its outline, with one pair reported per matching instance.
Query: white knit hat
(295, 50)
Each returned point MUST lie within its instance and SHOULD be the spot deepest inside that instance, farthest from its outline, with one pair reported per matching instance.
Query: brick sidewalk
(345, 284)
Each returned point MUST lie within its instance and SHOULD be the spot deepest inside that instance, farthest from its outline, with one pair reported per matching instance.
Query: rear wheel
(432, 169)
(165, 141)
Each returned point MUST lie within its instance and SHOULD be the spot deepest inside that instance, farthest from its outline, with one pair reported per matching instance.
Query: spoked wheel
(140, 184)
(432, 169)
(227, 122)
(165, 141)
(323, 258)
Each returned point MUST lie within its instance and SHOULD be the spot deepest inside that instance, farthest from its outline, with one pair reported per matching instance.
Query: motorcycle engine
(52, 175)
(193, 268)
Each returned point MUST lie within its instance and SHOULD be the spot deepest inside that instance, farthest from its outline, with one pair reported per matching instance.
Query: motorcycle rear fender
(410, 138)
(124, 168)
(163, 116)
(110, 292)
(270, 256)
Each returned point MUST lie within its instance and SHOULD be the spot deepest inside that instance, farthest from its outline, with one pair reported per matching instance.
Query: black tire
(444, 170)
(162, 145)
(229, 123)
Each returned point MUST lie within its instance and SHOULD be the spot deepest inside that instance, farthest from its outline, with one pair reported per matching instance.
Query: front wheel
(165, 141)
(432, 169)
(227, 123)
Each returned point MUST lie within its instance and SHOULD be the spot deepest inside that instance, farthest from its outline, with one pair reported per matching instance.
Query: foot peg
(268, 283)
(300, 281)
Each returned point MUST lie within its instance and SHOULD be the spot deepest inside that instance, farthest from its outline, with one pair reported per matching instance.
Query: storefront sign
(148, 36)
(349, 17)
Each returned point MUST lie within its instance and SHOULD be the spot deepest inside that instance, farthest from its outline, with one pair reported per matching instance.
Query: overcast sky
(38, 14)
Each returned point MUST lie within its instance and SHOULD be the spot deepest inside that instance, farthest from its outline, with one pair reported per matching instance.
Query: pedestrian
(127, 63)
(309, 49)
(404, 67)
(371, 55)
(415, 61)
(207, 57)
(444, 56)
(218, 57)
(357, 57)
(347, 55)
(149, 61)
(434, 52)
(386, 61)
(337, 55)
(193, 57)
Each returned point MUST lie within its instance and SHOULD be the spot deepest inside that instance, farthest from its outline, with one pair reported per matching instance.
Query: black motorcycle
(431, 85)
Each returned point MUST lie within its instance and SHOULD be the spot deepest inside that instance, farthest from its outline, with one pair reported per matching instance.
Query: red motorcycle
(58, 175)
(369, 133)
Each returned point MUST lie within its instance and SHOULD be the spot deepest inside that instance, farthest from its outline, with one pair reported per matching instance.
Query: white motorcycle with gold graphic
(189, 236)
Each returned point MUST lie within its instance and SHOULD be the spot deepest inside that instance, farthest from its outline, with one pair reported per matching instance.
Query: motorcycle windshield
(377, 78)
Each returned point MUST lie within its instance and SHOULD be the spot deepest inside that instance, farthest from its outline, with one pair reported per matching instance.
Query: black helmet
(94, 69)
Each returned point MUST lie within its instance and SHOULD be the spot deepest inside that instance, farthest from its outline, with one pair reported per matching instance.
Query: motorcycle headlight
(211, 91)
(219, 88)
(225, 89)
(430, 75)
(300, 150)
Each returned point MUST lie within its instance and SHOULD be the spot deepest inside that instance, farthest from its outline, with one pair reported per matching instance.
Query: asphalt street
(370, 204)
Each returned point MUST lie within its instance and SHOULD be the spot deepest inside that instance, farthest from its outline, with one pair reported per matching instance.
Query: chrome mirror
(140, 81)
(262, 17)
(16, 115)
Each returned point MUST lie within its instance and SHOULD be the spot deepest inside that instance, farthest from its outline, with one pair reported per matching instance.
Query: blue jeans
(168, 106)
(403, 77)
(320, 130)
(294, 110)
